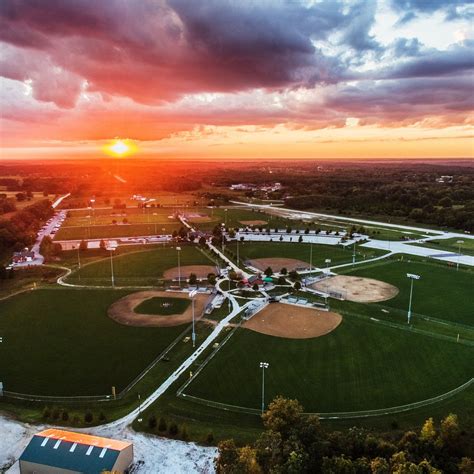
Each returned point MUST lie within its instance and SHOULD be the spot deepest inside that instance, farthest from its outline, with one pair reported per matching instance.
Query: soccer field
(61, 342)
(141, 268)
(358, 366)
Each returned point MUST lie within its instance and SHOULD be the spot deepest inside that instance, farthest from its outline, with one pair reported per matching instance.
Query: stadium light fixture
(263, 366)
(192, 294)
(459, 242)
(179, 266)
(412, 277)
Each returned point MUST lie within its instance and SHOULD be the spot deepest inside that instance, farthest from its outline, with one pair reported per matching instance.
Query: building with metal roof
(56, 451)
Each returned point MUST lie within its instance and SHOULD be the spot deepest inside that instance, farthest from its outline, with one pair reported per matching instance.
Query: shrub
(173, 430)
(184, 433)
(152, 422)
(102, 417)
(162, 426)
(46, 413)
(56, 414)
(65, 415)
(88, 417)
(210, 438)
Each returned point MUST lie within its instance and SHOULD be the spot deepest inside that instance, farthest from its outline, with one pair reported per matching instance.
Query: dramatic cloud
(92, 69)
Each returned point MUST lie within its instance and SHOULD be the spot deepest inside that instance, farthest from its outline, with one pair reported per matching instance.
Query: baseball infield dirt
(256, 222)
(358, 289)
(201, 271)
(293, 322)
(277, 264)
(123, 310)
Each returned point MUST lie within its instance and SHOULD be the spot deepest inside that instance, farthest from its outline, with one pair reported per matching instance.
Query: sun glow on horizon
(120, 148)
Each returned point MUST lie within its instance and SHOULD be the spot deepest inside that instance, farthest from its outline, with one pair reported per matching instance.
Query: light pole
(225, 211)
(238, 251)
(263, 366)
(412, 277)
(222, 236)
(139, 409)
(459, 242)
(310, 258)
(354, 254)
(112, 266)
(179, 266)
(78, 256)
(192, 294)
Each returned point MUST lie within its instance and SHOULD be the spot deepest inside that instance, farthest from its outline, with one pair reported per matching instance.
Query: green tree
(228, 457)
(297, 286)
(192, 279)
(283, 416)
(83, 245)
(284, 271)
(428, 430)
(268, 272)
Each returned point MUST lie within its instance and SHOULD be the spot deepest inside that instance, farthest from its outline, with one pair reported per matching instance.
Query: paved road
(307, 214)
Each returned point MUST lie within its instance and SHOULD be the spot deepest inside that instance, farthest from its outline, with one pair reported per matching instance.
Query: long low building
(56, 451)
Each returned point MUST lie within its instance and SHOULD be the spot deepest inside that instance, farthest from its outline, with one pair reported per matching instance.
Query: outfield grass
(301, 251)
(467, 248)
(140, 268)
(442, 292)
(163, 306)
(61, 342)
(359, 366)
(111, 231)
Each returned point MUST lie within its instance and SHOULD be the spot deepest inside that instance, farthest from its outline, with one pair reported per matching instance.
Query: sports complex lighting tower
(179, 266)
(192, 294)
(459, 242)
(263, 366)
(412, 277)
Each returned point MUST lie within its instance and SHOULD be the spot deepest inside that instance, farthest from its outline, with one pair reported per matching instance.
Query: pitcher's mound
(293, 322)
(123, 310)
(277, 264)
(201, 271)
(358, 289)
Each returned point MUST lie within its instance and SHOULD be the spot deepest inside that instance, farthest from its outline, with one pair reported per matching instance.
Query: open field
(442, 292)
(300, 251)
(358, 366)
(451, 245)
(146, 267)
(61, 342)
(114, 230)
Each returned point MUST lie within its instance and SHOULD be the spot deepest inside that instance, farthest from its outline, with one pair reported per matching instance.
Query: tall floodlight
(263, 366)
(192, 294)
(237, 251)
(412, 277)
(222, 236)
(459, 242)
(310, 258)
(179, 266)
(225, 220)
(354, 253)
(111, 248)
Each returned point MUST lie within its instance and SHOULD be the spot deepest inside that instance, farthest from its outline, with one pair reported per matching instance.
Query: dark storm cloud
(456, 60)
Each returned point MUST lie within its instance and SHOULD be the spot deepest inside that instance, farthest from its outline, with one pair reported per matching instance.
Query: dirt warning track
(123, 310)
(293, 322)
(358, 289)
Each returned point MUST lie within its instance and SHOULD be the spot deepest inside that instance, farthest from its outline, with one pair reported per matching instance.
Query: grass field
(61, 342)
(114, 230)
(442, 292)
(451, 245)
(358, 366)
(301, 251)
(141, 268)
(163, 306)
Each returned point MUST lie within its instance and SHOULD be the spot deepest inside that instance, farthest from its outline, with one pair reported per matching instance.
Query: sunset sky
(231, 79)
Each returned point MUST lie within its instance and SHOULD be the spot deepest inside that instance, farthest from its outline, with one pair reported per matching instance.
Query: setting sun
(120, 148)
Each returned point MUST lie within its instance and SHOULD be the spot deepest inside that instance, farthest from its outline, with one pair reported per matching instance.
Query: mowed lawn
(141, 268)
(163, 306)
(442, 292)
(359, 366)
(301, 251)
(114, 230)
(61, 342)
(451, 245)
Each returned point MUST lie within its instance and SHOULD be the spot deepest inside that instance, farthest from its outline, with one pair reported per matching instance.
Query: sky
(237, 79)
